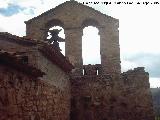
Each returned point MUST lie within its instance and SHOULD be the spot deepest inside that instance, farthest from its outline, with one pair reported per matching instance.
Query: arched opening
(91, 46)
(61, 34)
(56, 24)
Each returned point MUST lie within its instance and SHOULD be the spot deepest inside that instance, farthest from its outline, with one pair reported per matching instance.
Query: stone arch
(54, 22)
(95, 58)
(51, 23)
(90, 22)
(91, 44)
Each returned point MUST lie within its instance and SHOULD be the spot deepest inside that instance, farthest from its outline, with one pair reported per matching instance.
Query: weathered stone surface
(102, 92)
(156, 100)
(73, 24)
(25, 97)
(98, 97)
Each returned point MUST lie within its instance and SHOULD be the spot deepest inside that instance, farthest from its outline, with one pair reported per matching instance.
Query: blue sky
(139, 30)
(11, 9)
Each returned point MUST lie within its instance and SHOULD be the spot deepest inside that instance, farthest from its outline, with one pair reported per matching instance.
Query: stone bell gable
(73, 17)
(57, 87)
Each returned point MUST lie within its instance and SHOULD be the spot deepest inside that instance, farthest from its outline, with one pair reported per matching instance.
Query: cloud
(148, 60)
(11, 10)
(127, 65)
(154, 82)
(14, 24)
(2, 30)
(13, 13)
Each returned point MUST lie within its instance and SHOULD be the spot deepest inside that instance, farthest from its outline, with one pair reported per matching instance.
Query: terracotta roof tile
(17, 39)
(47, 49)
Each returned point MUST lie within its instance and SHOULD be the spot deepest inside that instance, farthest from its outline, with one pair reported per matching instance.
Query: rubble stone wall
(136, 89)
(25, 98)
(97, 97)
(91, 97)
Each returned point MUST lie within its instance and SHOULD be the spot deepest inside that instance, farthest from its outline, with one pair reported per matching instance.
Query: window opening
(91, 46)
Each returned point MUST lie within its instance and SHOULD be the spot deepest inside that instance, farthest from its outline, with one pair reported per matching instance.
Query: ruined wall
(99, 97)
(139, 104)
(95, 95)
(91, 97)
(156, 100)
(25, 98)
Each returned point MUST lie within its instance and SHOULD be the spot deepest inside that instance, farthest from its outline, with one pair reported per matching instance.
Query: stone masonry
(98, 92)
(26, 92)
(73, 24)
(27, 98)
(62, 88)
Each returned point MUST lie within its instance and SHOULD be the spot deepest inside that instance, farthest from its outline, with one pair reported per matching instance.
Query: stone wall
(23, 96)
(26, 98)
(100, 93)
(91, 97)
(136, 78)
(139, 104)
(54, 75)
(156, 100)
(100, 97)
(15, 44)
(73, 24)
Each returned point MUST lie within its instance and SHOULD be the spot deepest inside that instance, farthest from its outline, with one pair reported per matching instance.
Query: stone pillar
(73, 48)
(109, 49)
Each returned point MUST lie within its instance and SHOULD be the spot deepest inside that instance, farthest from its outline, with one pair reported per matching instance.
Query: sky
(139, 33)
